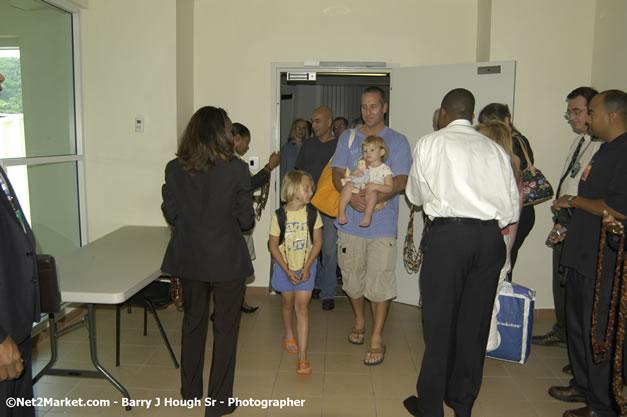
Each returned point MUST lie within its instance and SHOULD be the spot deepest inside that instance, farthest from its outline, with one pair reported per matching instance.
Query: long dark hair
(205, 140)
(497, 111)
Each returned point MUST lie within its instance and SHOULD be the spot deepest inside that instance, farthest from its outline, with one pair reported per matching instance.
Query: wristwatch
(571, 200)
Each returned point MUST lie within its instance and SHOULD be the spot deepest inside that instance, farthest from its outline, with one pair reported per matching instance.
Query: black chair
(156, 293)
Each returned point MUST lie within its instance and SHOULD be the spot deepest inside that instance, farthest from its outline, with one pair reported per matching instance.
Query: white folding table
(109, 270)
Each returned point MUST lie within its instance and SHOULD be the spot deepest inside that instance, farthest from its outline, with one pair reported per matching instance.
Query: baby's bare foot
(365, 221)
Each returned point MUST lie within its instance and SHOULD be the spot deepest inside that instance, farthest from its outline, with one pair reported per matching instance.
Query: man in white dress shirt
(465, 184)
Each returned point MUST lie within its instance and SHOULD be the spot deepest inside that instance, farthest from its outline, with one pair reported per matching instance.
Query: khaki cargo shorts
(368, 266)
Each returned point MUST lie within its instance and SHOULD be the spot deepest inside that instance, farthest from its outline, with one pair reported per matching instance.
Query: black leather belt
(464, 220)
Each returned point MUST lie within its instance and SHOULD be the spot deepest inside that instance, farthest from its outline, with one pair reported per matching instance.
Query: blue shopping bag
(514, 323)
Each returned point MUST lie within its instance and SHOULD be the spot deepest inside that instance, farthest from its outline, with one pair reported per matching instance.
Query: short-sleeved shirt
(378, 174)
(314, 156)
(296, 242)
(385, 221)
(605, 178)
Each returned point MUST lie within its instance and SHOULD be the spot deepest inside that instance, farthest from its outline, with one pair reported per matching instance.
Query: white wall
(552, 59)
(609, 65)
(129, 68)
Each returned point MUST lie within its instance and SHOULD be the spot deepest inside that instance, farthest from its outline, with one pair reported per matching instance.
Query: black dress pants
(525, 224)
(458, 281)
(228, 296)
(559, 293)
(591, 379)
(21, 387)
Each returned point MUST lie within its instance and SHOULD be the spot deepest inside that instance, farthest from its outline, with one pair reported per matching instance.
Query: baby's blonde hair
(292, 181)
(376, 141)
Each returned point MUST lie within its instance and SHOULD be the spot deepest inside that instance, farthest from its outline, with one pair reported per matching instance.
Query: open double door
(415, 92)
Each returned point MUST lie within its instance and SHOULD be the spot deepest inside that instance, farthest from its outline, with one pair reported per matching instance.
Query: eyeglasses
(574, 112)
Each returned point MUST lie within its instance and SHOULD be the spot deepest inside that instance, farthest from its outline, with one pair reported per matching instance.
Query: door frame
(277, 68)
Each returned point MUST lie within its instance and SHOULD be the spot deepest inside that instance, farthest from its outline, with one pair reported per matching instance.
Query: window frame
(73, 7)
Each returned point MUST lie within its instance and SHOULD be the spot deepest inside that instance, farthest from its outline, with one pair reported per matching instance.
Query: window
(39, 144)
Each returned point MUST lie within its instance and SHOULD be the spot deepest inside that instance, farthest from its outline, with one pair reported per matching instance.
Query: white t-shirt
(378, 174)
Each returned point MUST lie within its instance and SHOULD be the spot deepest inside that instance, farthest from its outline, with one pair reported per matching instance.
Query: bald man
(312, 158)
(602, 188)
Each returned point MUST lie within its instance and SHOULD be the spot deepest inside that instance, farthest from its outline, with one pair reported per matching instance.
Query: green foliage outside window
(11, 96)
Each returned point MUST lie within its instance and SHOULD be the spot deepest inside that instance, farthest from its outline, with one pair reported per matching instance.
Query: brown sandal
(356, 334)
(376, 351)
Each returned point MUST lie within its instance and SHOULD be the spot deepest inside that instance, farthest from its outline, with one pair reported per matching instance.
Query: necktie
(570, 164)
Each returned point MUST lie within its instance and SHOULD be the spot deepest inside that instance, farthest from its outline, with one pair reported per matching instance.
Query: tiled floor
(339, 386)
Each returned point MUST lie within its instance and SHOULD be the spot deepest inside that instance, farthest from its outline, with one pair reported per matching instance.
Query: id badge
(586, 172)
(575, 170)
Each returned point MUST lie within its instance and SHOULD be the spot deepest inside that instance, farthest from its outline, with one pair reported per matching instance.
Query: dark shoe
(567, 369)
(328, 304)
(549, 339)
(315, 294)
(211, 316)
(249, 309)
(411, 405)
(581, 412)
(568, 394)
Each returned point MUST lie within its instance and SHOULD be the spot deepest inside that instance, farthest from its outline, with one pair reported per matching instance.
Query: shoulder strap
(311, 219)
(352, 137)
(281, 218)
(524, 149)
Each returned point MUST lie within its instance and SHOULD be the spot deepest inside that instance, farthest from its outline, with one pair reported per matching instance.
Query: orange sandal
(303, 367)
(290, 345)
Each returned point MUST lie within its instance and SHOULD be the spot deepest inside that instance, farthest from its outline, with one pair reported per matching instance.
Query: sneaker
(328, 304)
(315, 294)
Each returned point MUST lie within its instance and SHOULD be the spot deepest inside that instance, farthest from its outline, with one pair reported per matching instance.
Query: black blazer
(19, 284)
(208, 211)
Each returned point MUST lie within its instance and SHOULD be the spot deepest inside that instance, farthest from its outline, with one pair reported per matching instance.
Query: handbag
(535, 187)
(327, 197)
(412, 258)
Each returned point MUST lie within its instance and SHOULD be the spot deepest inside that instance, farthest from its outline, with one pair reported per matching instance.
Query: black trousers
(19, 388)
(559, 293)
(228, 296)
(589, 378)
(525, 224)
(458, 278)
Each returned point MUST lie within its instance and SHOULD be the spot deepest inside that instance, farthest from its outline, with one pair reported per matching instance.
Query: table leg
(94, 354)
(101, 371)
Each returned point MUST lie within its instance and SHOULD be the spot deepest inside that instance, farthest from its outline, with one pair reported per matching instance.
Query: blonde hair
(291, 136)
(500, 133)
(292, 182)
(376, 141)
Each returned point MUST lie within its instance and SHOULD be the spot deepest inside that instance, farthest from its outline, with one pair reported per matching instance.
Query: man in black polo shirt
(312, 158)
(603, 186)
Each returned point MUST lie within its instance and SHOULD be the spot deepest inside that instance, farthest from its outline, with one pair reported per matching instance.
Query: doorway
(413, 94)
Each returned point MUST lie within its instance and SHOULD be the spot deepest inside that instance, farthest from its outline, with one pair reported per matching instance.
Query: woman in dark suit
(207, 199)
